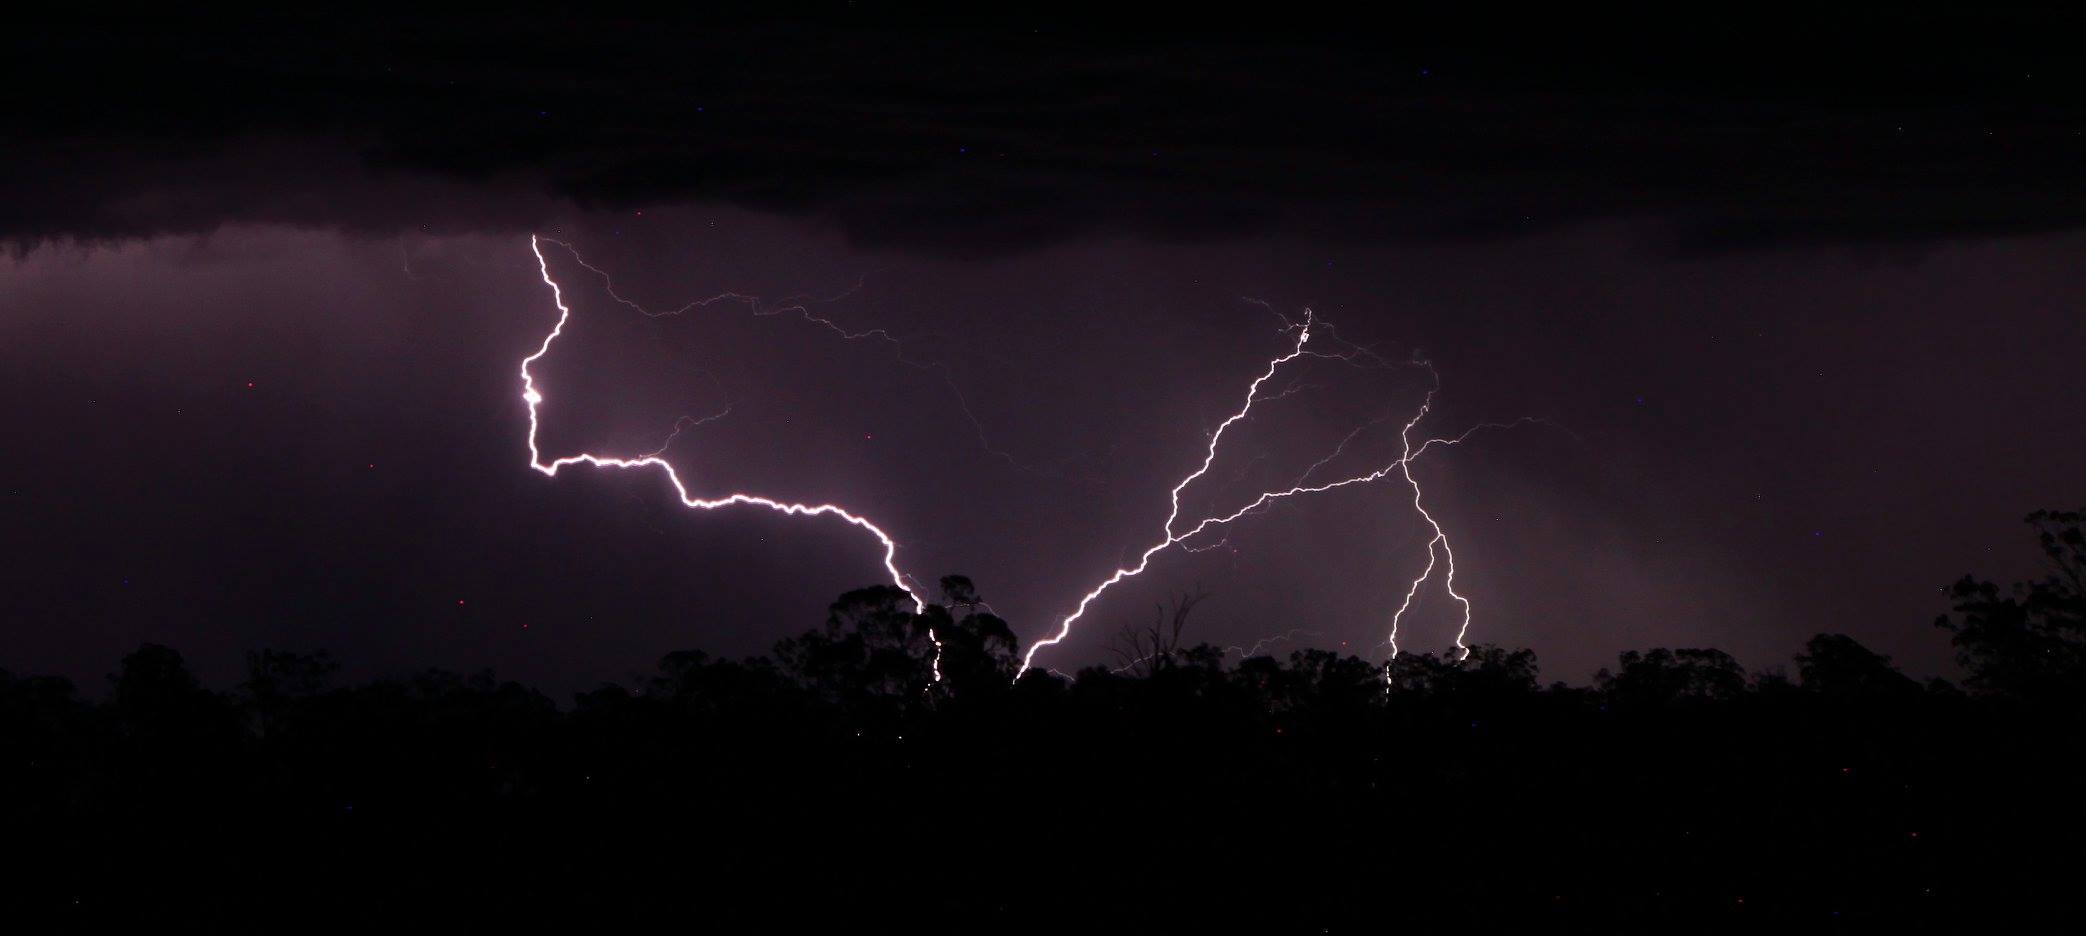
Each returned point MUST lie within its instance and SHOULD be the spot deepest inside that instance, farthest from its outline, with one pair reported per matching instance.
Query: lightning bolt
(684, 424)
(1290, 634)
(1441, 539)
(1439, 552)
(534, 397)
(1303, 333)
(801, 306)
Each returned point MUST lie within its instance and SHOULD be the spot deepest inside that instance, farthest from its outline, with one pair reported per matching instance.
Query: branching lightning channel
(1439, 552)
(1303, 336)
(1255, 647)
(534, 397)
(801, 305)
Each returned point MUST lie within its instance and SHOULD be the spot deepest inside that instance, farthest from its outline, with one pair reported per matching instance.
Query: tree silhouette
(1662, 677)
(1155, 647)
(838, 783)
(978, 652)
(1836, 664)
(1486, 669)
(277, 680)
(873, 647)
(2030, 644)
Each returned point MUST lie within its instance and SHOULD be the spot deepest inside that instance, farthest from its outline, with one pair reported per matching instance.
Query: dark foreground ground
(830, 786)
(839, 784)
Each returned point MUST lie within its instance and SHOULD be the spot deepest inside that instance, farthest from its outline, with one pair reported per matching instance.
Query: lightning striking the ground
(1439, 552)
(1174, 531)
(535, 398)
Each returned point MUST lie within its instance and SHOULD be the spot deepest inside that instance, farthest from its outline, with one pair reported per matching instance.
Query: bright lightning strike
(1303, 333)
(534, 398)
(801, 305)
(1439, 552)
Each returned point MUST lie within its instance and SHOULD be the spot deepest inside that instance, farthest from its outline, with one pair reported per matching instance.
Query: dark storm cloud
(976, 135)
(298, 438)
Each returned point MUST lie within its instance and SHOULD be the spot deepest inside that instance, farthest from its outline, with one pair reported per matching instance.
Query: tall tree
(2031, 642)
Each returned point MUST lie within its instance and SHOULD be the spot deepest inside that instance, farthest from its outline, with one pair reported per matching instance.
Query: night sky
(1793, 304)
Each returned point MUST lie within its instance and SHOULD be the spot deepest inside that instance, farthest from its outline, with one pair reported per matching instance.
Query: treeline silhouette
(837, 784)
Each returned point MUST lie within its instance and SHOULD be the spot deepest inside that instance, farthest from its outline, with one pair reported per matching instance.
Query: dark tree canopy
(841, 783)
(2030, 642)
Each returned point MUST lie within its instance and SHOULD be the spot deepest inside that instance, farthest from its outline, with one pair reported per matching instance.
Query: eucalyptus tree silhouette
(2031, 643)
